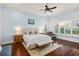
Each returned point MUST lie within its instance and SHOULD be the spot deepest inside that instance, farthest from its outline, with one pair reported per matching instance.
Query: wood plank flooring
(19, 50)
(68, 43)
(68, 49)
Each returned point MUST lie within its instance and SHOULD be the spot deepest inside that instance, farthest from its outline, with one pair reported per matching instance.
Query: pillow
(35, 32)
(30, 33)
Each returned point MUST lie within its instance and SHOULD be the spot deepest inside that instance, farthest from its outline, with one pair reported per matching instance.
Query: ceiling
(35, 7)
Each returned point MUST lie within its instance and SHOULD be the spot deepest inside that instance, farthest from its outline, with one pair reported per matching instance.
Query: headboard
(30, 31)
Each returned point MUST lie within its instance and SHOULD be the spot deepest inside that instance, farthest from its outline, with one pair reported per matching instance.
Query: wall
(13, 18)
(0, 25)
(67, 16)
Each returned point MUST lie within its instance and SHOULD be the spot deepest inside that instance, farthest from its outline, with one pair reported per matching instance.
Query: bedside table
(18, 38)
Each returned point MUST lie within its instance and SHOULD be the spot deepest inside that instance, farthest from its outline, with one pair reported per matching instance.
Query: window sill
(67, 35)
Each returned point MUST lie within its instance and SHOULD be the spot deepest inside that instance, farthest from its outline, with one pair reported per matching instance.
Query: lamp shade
(18, 30)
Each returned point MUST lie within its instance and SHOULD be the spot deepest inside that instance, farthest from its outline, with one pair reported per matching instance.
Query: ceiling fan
(48, 9)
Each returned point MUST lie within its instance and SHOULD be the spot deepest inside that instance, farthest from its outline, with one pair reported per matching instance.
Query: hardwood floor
(19, 50)
(68, 49)
(68, 43)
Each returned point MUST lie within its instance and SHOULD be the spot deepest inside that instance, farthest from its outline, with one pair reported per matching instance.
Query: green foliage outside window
(67, 31)
(62, 30)
(75, 31)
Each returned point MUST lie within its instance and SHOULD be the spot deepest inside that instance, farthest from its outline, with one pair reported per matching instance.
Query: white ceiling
(35, 7)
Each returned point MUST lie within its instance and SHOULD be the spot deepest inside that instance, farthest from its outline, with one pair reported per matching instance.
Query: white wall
(13, 18)
(70, 16)
(0, 25)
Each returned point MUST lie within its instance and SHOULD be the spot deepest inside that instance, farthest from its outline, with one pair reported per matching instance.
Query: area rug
(42, 51)
(6, 50)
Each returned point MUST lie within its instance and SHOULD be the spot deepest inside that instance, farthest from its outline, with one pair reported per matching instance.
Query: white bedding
(0, 48)
(39, 39)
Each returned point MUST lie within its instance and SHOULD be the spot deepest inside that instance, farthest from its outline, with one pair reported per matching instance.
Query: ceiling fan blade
(53, 7)
(41, 10)
(50, 11)
(46, 6)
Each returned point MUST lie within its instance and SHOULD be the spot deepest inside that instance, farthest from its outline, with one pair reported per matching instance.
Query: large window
(56, 29)
(63, 30)
(75, 31)
(66, 29)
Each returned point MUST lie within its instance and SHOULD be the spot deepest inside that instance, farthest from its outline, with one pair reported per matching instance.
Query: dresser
(18, 38)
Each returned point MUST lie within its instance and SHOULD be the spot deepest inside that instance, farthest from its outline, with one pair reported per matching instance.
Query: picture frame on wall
(31, 21)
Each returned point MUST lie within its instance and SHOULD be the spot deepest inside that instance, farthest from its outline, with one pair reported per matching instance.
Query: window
(62, 30)
(75, 31)
(67, 31)
(57, 30)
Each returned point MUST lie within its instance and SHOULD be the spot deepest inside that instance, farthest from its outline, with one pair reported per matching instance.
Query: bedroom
(22, 21)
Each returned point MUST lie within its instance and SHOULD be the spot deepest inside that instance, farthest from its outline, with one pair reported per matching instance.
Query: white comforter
(0, 48)
(38, 39)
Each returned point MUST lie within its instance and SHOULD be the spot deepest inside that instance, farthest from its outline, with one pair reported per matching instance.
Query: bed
(38, 44)
(32, 39)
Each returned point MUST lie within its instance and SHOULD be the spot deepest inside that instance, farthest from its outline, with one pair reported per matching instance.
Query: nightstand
(18, 38)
